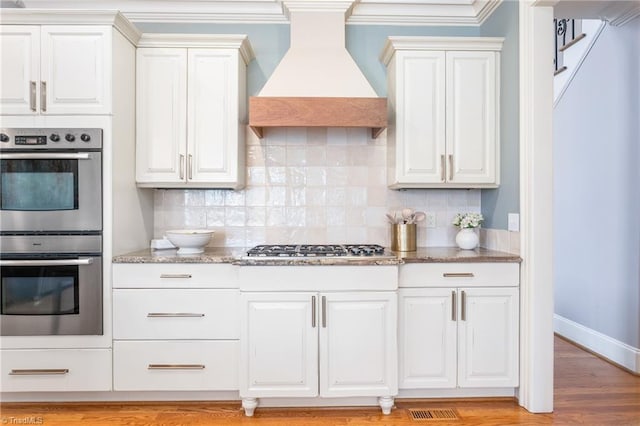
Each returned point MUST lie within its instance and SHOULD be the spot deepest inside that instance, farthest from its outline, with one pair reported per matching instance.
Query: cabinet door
(278, 345)
(20, 58)
(161, 122)
(420, 117)
(358, 344)
(428, 335)
(488, 337)
(76, 69)
(472, 114)
(212, 117)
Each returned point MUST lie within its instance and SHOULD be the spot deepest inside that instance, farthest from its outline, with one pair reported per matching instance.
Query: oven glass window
(39, 290)
(39, 185)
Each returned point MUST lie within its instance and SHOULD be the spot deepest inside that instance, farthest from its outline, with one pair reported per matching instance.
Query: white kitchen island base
(386, 403)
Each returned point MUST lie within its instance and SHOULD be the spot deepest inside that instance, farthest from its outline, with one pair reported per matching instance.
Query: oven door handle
(47, 156)
(51, 262)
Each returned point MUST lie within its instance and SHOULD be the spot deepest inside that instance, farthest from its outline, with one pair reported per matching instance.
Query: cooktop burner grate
(316, 250)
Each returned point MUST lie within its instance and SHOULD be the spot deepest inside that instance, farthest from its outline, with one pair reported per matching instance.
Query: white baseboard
(614, 350)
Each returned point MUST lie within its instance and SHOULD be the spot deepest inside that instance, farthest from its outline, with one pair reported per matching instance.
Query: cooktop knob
(85, 137)
(70, 138)
(4, 138)
(54, 137)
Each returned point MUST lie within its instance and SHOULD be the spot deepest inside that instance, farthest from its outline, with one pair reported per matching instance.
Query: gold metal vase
(403, 237)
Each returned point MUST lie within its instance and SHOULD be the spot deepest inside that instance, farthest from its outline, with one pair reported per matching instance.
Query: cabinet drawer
(174, 275)
(460, 275)
(175, 314)
(58, 370)
(180, 366)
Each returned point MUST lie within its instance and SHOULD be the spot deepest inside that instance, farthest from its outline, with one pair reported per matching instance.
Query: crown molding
(369, 12)
(417, 43)
(238, 42)
(72, 17)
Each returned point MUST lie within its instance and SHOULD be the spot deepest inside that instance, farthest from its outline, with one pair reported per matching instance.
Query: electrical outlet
(513, 222)
(430, 220)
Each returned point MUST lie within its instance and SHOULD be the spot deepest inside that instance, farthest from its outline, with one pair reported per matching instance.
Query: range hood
(317, 83)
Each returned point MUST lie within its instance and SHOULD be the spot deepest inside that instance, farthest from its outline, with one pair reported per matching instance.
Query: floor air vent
(433, 414)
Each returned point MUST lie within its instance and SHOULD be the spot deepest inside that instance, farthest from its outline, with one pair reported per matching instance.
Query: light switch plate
(514, 222)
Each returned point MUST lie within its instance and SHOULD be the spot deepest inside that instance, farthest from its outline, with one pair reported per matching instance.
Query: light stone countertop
(237, 256)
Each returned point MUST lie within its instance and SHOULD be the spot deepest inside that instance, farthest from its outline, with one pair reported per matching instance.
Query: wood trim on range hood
(269, 111)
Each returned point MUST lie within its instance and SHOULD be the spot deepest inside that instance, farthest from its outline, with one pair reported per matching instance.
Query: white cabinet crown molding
(72, 17)
(367, 12)
(213, 41)
(414, 43)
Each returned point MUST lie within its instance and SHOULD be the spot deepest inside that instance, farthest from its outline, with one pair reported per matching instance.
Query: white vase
(467, 239)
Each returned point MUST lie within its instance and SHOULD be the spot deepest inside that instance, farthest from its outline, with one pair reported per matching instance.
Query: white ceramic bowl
(189, 241)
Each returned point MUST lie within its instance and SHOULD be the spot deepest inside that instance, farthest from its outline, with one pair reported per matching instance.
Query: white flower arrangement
(468, 220)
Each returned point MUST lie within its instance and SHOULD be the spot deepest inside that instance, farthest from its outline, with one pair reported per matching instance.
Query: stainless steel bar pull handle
(39, 372)
(454, 306)
(313, 311)
(47, 156)
(442, 168)
(450, 167)
(463, 315)
(190, 166)
(324, 311)
(43, 96)
(175, 275)
(174, 315)
(458, 275)
(181, 166)
(52, 262)
(175, 367)
(32, 95)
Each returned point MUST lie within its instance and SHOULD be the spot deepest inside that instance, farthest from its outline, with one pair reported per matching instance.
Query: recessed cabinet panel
(20, 57)
(279, 355)
(357, 345)
(161, 114)
(472, 111)
(421, 140)
(209, 114)
(74, 63)
(488, 338)
(427, 325)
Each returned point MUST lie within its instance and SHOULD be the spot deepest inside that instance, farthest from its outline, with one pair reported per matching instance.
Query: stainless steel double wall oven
(50, 232)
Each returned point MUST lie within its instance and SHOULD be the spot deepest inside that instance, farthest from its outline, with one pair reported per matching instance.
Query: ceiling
(389, 12)
(616, 12)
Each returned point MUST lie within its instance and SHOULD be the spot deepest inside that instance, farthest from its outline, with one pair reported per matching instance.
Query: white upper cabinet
(444, 115)
(191, 111)
(56, 69)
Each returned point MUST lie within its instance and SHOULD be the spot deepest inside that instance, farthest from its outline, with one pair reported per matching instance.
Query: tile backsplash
(310, 185)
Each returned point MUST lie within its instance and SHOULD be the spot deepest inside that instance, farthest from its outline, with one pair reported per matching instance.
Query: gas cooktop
(317, 250)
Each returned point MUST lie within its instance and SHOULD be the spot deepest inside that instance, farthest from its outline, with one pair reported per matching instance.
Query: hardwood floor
(588, 391)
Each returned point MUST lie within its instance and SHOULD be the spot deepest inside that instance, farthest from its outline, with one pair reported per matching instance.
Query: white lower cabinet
(307, 344)
(459, 337)
(185, 365)
(175, 327)
(55, 370)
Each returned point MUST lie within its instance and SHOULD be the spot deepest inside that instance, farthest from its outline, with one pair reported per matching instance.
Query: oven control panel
(55, 138)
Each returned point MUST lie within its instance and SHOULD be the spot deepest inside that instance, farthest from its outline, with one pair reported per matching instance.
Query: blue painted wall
(498, 203)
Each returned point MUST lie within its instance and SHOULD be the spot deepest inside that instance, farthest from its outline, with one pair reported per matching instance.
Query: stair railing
(568, 32)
